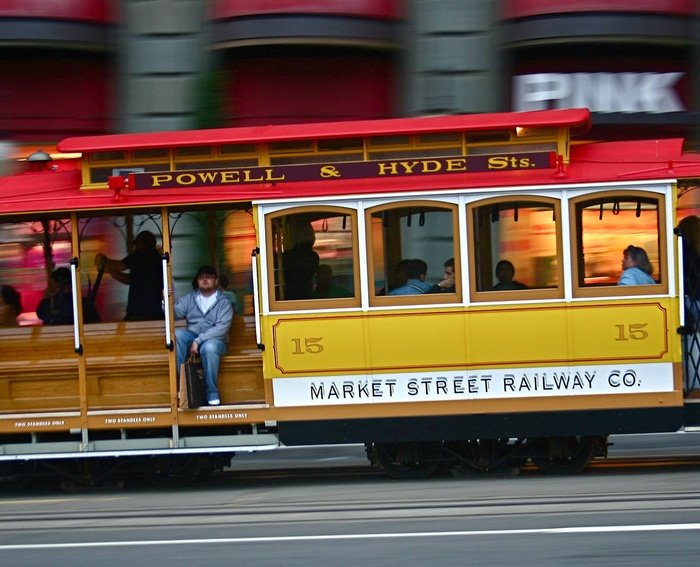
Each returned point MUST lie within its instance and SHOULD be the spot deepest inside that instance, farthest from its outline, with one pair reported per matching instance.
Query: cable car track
(315, 473)
(629, 464)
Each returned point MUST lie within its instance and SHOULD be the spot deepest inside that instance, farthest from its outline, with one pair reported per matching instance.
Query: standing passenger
(689, 229)
(299, 262)
(209, 314)
(636, 268)
(144, 277)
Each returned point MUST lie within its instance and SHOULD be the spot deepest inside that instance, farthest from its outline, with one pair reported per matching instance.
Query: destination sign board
(341, 170)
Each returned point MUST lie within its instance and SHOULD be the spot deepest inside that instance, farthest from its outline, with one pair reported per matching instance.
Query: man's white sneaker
(214, 402)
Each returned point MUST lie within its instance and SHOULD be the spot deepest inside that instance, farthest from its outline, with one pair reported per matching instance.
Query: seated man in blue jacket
(415, 271)
(209, 314)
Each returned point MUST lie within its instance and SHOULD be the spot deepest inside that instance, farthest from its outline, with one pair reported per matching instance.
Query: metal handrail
(166, 303)
(254, 268)
(77, 296)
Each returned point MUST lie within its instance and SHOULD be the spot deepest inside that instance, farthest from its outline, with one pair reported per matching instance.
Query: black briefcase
(192, 390)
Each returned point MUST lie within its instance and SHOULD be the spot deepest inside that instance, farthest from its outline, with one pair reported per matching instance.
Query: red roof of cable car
(578, 119)
(53, 191)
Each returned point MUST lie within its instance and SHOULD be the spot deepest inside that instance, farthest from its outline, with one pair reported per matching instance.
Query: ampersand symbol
(328, 171)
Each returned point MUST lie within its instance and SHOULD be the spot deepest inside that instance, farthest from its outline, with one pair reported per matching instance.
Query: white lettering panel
(477, 385)
(652, 93)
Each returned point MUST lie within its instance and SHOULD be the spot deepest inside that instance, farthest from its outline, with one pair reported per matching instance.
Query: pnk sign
(652, 93)
(476, 385)
(341, 170)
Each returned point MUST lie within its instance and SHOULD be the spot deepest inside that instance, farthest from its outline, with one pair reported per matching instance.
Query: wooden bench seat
(241, 379)
(126, 364)
(240, 375)
(39, 370)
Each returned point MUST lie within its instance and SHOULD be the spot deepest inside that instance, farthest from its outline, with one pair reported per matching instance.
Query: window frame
(579, 291)
(477, 296)
(311, 304)
(422, 298)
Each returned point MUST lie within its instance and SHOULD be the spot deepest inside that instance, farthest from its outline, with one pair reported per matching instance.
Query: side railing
(691, 345)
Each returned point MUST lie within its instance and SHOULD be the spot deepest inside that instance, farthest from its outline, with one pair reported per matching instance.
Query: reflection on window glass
(313, 255)
(239, 240)
(120, 259)
(410, 246)
(515, 245)
(29, 253)
(607, 227)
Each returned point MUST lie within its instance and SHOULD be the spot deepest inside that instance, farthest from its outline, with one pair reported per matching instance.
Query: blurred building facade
(77, 67)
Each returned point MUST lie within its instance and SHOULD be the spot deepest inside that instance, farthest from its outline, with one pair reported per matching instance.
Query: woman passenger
(10, 306)
(636, 267)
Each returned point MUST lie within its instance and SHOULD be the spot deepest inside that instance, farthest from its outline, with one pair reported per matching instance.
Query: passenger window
(312, 258)
(412, 247)
(515, 245)
(120, 264)
(614, 232)
(31, 251)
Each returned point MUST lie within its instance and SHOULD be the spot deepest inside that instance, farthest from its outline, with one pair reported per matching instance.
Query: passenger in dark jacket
(142, 271)
(57, 306)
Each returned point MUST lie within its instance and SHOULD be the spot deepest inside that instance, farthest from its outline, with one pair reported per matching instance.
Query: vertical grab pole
(77, 296)
(689, 365)
(254, 268)
(166, 304)
(681, 280)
